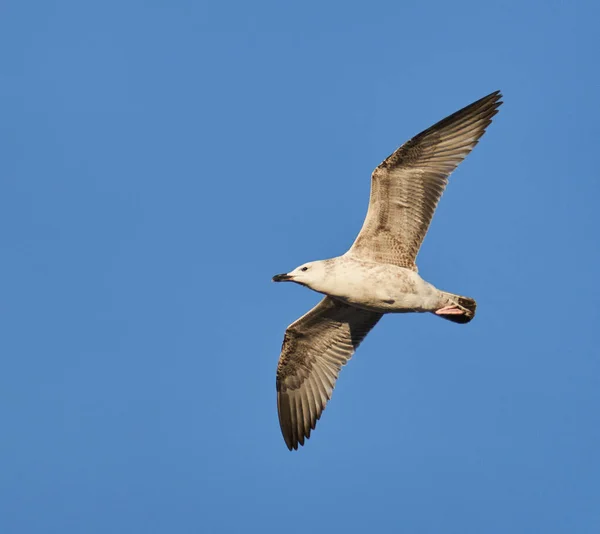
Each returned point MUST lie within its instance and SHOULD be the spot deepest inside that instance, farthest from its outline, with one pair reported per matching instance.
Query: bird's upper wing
(406, 186)
(315, 348)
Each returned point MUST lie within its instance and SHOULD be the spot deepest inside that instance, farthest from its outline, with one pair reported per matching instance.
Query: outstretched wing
(406, 187)
(315, 348)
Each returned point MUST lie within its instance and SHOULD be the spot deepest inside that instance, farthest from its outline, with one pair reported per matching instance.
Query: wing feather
(315, 348)
(406, 187)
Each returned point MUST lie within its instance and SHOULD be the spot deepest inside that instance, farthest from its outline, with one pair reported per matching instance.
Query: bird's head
(310, 274)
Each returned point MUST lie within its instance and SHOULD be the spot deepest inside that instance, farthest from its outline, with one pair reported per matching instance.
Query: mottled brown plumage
(405, 190)
(406, 186)
(314, 350)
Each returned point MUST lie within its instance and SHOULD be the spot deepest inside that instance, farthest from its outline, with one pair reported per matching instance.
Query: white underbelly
(383, 288)
(394, 302)
(389, 296)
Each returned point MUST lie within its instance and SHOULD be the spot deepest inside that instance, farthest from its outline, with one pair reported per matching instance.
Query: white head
(311, 274)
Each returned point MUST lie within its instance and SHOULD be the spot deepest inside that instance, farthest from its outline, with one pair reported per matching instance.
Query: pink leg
(449, 310)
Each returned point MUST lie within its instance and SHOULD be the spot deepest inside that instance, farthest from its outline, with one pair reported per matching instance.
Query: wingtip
(292, 445)
(287, 414)
(496, 93)
(496, 97)
(496, 100)
(487, 105)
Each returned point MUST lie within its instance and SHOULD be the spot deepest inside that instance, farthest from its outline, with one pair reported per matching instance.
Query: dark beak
(282, 278)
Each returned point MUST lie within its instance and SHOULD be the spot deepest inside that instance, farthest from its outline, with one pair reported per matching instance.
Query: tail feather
(458, 310)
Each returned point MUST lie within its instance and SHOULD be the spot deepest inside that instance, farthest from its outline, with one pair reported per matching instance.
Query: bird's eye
(304, 269)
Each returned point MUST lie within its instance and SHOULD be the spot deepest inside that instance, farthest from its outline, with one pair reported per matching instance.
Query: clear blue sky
(162, 160)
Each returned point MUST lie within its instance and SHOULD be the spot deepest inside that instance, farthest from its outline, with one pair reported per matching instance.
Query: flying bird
(378, 274)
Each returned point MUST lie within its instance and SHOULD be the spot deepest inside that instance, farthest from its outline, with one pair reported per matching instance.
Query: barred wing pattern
(315, 348)
(406, 186)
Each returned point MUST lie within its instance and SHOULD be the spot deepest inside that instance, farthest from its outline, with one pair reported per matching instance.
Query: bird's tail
(458, 309)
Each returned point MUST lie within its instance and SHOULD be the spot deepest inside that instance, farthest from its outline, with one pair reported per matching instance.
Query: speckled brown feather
(315, 348)
(406, 186)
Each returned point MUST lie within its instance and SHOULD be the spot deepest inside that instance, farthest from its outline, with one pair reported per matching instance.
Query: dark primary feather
(315, 348)
(406, 186)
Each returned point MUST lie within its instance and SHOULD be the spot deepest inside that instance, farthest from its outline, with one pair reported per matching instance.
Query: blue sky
(162, 160)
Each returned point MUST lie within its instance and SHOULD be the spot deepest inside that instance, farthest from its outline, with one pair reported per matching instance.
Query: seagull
(378, 274)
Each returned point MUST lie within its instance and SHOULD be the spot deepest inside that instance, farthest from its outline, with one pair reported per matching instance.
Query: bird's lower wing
(315, 348)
